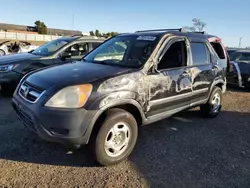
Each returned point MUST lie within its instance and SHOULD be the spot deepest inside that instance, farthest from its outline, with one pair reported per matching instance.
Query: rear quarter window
(218, 49)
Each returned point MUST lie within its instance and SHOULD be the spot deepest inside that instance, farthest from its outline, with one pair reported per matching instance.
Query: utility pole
(73, 21)
(240, 42)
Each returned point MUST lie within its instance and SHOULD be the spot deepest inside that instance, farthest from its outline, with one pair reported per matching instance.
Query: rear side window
(96, 44)
(218, 49)
(199, 53)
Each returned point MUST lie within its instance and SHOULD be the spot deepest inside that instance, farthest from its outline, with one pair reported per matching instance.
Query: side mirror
(65, 55)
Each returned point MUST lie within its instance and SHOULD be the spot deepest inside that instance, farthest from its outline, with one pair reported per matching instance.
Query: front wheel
(116, 137)
(213, 107)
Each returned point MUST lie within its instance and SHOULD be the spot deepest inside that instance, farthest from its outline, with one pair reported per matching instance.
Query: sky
(229, 20)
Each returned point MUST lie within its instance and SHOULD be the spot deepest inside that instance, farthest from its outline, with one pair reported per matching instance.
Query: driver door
(170, 84)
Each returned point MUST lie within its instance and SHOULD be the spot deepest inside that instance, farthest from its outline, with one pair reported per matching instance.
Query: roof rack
(201, 32)
(77, 35)
(155, 30)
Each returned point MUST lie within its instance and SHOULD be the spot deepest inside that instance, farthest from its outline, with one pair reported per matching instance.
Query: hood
(73, 73)
(9, 59)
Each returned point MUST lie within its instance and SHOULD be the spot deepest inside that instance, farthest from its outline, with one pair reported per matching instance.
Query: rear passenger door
(201, 71)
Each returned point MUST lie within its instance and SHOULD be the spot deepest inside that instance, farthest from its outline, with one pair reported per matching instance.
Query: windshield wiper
(105, 62)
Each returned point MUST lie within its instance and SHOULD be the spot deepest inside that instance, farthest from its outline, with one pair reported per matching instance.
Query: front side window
(199, 53)
(132, 51)
(175, 56)
(51, 47)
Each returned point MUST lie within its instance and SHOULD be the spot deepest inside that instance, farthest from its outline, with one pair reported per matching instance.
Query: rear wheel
(2, 53)
(213, 107)
(116, 137)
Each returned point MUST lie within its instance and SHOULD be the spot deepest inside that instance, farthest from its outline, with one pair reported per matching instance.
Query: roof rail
(77, 35)
(180, 30)
(201, 32)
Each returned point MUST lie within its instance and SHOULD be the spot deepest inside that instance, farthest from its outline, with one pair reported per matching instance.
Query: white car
(8, 47)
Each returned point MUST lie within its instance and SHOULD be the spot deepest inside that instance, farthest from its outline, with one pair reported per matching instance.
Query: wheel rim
(117, 139)
(216, 101)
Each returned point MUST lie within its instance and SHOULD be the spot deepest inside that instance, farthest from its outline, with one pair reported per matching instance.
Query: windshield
(50, 47)
(241, 56)
(230, 53)
(132, 51)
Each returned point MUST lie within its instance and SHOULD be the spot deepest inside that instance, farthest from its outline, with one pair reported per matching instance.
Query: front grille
(25, 118)
(29, 92)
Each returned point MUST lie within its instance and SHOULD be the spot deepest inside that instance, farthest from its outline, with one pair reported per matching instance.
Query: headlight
(70, 97)
(7, 68)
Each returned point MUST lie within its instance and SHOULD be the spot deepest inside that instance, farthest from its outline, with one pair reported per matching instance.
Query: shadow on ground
(197, 152)
(236, 89)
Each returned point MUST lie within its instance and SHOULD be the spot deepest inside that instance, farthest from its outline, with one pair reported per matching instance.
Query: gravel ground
(183, 151)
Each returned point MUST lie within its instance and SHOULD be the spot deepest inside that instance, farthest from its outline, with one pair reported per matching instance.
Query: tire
(247, 86)
(2, 53)
(104, 153)
(213, 107)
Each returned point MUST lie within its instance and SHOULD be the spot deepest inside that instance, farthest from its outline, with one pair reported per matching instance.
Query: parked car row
(240, 73)
(115, 86)
(57, 52)
(8, 47)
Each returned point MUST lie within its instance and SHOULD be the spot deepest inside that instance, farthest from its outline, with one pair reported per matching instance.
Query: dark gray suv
(103, 99)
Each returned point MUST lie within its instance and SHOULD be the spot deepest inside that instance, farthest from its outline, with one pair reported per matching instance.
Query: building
(33, 30)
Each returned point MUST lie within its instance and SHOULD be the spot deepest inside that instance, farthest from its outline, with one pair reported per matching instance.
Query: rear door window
(96, 44)
(199, 53)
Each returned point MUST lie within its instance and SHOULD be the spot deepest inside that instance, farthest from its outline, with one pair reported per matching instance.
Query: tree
(110, 34)
(97, 33)
(198, 25)
(41, 27)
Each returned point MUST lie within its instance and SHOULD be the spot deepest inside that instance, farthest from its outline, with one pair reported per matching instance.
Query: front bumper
(69, 127)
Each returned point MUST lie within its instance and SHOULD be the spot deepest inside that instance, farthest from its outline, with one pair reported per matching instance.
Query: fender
(219, 81)
(111, 105)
